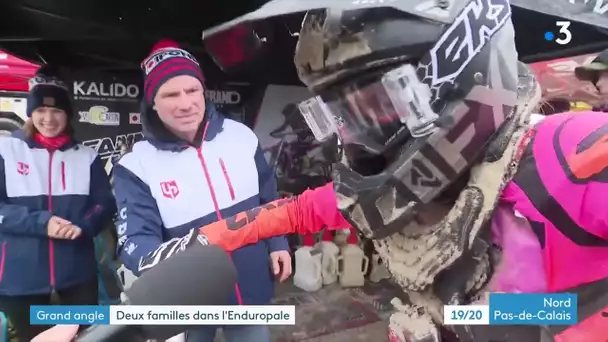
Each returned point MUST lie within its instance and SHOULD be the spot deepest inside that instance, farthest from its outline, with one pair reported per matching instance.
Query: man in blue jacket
(194, 167)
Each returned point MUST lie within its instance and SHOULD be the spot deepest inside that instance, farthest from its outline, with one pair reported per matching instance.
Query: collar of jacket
(20, 134)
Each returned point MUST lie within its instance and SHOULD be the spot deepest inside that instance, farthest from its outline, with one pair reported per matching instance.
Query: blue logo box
(533, 309)
(77, 314)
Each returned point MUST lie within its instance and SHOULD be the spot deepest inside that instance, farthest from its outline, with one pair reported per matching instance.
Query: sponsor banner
(99, 115)
(106, 90)
(105, 105)
(110, 146)
(238, 101)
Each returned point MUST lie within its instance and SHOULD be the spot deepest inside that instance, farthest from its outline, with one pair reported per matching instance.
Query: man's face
(602, 83)
(180, 104)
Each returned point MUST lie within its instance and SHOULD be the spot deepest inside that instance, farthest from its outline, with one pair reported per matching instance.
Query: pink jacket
(561, 193)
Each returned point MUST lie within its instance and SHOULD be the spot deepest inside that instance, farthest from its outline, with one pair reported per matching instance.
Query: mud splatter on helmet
(415, 101)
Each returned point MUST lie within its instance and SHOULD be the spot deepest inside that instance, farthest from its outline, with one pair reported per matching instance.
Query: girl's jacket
(70, 183)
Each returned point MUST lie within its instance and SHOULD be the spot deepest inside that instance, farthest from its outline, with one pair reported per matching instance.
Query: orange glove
(311, 212)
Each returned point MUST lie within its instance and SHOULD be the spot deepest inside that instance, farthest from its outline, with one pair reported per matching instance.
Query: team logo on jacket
(169, 189)
(23, 168)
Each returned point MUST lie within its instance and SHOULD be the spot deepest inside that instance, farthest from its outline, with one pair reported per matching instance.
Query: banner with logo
(236, 100)
(106, 109)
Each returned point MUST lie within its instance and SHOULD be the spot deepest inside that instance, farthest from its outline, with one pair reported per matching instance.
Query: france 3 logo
(563, 36)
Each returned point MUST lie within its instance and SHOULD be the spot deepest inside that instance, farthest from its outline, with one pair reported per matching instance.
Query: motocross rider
(434, 126)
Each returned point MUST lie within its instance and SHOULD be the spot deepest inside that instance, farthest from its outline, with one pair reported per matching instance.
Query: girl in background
(55, 197)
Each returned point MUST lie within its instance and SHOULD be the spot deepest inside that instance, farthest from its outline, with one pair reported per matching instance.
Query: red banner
(558, 82)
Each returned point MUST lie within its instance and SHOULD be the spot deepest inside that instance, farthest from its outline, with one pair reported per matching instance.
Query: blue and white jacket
(70, 183)
(164, 188)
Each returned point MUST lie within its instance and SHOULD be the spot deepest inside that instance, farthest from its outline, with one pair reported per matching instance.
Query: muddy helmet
(415, 93)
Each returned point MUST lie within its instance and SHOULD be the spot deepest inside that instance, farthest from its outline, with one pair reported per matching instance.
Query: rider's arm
(309, 213)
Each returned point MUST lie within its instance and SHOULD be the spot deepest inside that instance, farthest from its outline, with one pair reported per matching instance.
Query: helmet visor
(372, 114)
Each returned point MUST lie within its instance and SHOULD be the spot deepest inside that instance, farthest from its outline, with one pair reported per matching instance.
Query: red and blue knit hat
(166, 61)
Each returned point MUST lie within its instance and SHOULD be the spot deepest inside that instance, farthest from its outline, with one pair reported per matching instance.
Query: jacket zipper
(227, 178)
(63, 175)
(3, 260)
(50, 205)
(201, 158)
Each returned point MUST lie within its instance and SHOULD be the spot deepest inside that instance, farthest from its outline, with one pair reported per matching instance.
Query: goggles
(374, 113)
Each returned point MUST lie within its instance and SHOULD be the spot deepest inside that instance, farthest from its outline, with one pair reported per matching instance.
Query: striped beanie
(166, 61)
